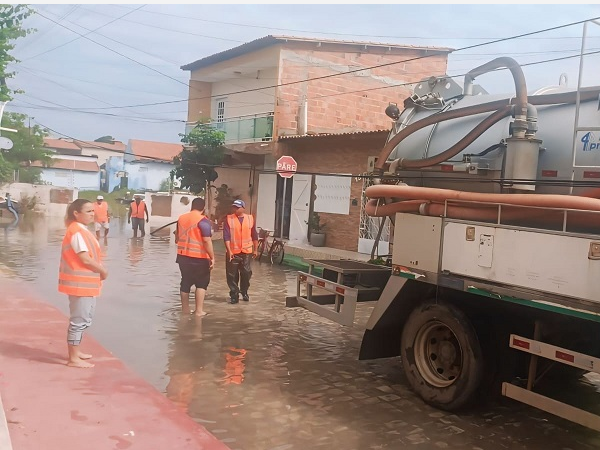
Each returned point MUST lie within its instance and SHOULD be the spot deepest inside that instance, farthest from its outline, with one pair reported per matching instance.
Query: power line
(325, 32)
(167, 29)
(360, 69)
(90, 32)
(460, 75)
(114, 51)
(73, 110)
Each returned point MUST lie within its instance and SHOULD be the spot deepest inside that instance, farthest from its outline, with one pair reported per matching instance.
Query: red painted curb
(51, 406)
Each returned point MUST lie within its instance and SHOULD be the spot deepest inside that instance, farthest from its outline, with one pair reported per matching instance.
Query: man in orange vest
(101, 216)
(195, 255)
(137, 209)
(241, 241)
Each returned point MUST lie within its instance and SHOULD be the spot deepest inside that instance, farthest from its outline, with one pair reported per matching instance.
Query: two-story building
(267, 91)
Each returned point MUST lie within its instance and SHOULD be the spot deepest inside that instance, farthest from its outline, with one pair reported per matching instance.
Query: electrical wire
(90, 32)
(327, 32)
(114, 51)
(362, 69)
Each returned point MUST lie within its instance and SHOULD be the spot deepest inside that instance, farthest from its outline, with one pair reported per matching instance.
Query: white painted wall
(256, 102)
(102, 154)
(42, 194)
(147, 175)
(84, 181)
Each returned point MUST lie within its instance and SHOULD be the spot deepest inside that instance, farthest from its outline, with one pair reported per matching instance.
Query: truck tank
(480, 164)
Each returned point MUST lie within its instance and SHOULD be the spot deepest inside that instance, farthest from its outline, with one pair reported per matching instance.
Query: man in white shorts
(101, 216)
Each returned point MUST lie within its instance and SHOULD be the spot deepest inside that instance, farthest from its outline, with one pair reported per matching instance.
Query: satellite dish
(5, 143)
(177, 183)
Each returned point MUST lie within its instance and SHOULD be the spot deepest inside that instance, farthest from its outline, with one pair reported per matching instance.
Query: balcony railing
(251, 128)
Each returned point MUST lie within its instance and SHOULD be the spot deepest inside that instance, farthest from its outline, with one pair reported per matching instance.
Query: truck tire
(441, 355)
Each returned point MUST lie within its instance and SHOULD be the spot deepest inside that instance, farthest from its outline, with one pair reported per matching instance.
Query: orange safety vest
(189, 238)
(100, 212)
(241, 233)
(138, 210)
(73, 277)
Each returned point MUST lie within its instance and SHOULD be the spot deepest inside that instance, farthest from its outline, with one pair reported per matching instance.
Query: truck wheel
(441, 355)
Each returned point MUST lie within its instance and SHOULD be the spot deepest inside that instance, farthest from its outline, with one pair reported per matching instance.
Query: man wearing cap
(137, 209)
(101, 216)
(241, 241)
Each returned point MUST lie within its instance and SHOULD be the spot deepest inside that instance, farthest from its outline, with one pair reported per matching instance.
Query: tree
(106, 140)
(28, 146)
(11, 19)
(196, 165)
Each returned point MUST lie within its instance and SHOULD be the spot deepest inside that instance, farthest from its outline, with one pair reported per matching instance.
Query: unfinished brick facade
(350, 102)
(338, 154)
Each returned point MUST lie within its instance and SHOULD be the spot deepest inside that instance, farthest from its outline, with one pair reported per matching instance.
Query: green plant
(314, 223)
(198, 160)
(165, 185)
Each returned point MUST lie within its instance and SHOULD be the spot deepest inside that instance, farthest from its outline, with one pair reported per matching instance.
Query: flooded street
(257, 375)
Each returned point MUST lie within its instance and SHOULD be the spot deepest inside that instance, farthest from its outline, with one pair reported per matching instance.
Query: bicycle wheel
(277, 253)
(260, 249)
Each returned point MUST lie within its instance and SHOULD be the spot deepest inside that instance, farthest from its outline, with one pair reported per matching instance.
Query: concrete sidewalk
(51, 406)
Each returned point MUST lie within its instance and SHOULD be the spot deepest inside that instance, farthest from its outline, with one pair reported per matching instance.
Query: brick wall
(333, 106)
(337, 154)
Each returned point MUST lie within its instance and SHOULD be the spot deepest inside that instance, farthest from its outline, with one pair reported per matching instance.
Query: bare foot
(85, 356)
(80, 364)
(201, 314)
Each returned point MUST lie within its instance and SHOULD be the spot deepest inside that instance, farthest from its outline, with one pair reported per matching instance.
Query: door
(265, 210)
(300, 206)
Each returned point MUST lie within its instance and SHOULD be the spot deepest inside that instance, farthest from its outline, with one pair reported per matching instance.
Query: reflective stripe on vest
(138, 210)
(73, 277)
(241, 233)
(101, 212)
(189, 237)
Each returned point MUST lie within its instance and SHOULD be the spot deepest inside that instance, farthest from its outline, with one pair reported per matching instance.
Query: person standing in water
(137, 209)
(80, 276)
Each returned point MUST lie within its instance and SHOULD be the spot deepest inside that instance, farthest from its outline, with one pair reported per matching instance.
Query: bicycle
(274, 250)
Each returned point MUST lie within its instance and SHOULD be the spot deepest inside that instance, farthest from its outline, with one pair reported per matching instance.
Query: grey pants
(82, 311)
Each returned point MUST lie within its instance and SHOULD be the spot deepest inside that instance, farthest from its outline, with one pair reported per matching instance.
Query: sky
(84, 87)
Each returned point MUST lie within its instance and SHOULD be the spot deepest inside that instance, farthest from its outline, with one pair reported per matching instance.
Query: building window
(220, 113)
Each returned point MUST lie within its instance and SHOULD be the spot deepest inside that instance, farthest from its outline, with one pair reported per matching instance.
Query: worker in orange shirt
(137, 209)
(101, 216)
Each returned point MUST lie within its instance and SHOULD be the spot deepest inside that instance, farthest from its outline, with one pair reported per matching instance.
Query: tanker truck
(493, 281)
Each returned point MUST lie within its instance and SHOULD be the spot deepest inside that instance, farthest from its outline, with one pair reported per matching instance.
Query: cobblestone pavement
(260, 376)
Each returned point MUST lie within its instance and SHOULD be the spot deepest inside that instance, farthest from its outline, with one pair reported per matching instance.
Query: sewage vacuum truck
(494, 281)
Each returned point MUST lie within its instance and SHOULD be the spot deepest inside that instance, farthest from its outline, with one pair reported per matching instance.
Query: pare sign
(286, 166)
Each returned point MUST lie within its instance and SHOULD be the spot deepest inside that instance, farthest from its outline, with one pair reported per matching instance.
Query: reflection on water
(257, 375)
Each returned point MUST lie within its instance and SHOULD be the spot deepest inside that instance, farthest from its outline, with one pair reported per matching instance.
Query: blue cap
(239, 204)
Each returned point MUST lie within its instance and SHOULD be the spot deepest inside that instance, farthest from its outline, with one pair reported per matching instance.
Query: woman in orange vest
(80, 276)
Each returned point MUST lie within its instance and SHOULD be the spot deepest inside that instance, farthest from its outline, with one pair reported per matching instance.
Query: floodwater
(257, 375)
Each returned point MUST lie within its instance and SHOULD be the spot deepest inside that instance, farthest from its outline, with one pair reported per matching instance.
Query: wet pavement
(257, 375)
